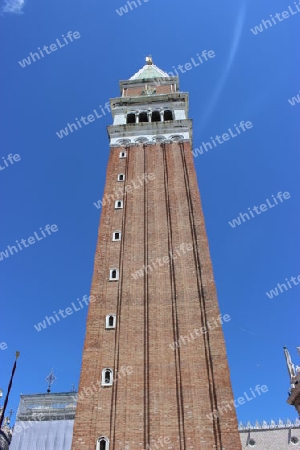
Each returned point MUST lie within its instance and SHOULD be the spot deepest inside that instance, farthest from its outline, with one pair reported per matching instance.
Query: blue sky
(57, 180)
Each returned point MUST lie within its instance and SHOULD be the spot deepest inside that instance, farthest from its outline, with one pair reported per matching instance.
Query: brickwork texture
(166, 394)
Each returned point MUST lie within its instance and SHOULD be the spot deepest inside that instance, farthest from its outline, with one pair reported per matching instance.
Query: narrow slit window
(113, 274)
(121, 177)
(110, 321)
(123, 155)
(107, 377)
(118, 204)
(102, 443)
(116, 236)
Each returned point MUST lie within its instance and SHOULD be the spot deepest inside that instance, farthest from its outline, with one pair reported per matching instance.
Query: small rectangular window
(102, 443)
(107, 377)
(116, 236)
(113, 275)
(110, 321)
(118, 204)
(123, 155)
(121, 177)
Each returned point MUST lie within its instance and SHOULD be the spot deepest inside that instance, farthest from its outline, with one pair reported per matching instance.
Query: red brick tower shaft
(154, 286)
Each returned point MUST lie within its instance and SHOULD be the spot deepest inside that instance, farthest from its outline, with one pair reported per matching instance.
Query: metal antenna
(8, 390)
(51, 378)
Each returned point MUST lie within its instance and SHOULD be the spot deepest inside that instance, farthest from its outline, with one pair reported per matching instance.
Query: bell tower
(154, 368)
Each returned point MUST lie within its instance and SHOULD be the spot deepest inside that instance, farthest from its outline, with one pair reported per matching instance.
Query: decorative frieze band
(150, 140)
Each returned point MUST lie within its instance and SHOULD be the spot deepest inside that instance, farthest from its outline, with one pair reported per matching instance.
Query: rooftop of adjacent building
(269, 425)
(49, 406)
(45, 419)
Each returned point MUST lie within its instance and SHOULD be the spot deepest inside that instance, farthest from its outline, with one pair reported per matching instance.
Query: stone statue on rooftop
(290, 365)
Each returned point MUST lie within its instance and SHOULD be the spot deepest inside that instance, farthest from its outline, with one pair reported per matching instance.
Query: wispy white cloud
(13, 6)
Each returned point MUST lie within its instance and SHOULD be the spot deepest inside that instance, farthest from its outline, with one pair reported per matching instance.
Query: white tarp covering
(42, 435)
